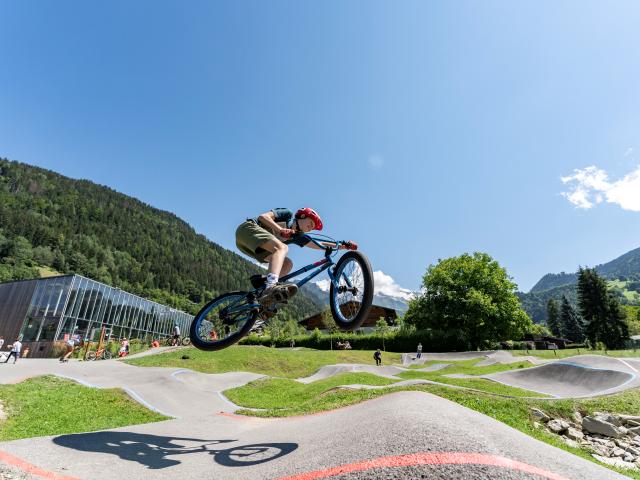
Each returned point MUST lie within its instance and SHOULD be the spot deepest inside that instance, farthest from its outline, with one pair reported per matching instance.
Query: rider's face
(306, 224)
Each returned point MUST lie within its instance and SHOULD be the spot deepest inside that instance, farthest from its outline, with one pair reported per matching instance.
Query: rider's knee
(281, 247)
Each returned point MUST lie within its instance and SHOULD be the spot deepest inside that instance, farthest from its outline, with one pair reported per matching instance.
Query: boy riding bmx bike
(267, 237)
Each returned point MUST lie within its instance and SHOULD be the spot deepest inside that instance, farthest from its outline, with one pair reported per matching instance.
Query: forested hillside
(622, 275)
(75, 226)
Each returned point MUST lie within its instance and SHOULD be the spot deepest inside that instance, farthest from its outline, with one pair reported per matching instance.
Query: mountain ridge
(622, 274)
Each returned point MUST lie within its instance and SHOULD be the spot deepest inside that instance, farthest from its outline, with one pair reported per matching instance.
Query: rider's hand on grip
(351, 245)
(286, 232)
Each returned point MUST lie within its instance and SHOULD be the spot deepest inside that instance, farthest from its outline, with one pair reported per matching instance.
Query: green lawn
(275, 362)
(281, 396)
(278, 393)
(467, 367)
(570, 352)
(50, 405)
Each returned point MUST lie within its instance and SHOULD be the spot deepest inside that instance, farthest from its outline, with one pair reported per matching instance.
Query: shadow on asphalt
(154, 450)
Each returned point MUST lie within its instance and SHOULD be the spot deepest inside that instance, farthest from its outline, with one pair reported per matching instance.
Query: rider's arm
(268, 219)
(327, 244)
(324, 244)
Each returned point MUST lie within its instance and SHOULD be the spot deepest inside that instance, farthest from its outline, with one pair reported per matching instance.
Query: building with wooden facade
(376, 313)
(43, 311)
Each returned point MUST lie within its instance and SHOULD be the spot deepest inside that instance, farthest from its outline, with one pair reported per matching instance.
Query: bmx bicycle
(226, 319)
(184, 341)
(102, 354)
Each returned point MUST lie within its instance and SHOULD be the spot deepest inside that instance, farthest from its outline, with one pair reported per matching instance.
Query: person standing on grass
(70, 346)
(176, 335)
(15, 351)
(378, 357)
(124, 348)
(419, 352)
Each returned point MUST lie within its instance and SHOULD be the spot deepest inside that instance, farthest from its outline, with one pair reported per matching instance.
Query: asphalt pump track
(400, 435)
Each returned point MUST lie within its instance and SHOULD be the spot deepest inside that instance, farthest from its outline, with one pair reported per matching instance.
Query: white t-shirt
(17, 346)
(1, 343)
(176, 330)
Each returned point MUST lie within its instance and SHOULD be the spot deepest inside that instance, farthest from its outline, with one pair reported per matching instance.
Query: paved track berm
(400, 435)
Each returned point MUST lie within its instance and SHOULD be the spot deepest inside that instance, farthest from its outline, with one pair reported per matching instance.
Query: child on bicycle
(266, 238)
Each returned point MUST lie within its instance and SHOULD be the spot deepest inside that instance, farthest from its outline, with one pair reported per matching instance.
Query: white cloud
(383, 285)
(376, 162)
(628, 152)
(386, 285)
(590, 186)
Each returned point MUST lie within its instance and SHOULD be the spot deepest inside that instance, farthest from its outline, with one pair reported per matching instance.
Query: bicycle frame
(320, 266)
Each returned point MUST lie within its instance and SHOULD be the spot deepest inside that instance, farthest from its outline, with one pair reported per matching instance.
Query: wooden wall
(14, 302)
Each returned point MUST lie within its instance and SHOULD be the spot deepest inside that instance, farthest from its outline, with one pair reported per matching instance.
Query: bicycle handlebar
(316, 242)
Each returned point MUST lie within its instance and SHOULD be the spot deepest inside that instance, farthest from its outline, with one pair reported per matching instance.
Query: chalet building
(376, 313)
(547, 343)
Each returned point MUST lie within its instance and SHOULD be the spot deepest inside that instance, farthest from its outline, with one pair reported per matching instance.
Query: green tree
(605, 320)
(382, 327)
(571, 322)
(471, 295)
(553, 317)
(616, 331)
(538, 330)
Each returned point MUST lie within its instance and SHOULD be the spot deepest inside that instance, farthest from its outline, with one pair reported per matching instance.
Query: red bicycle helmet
(312, 214)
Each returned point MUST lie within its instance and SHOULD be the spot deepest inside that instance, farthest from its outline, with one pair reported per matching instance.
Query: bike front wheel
(351, 299)
(90, 356)
(186, 341)
(223, 321)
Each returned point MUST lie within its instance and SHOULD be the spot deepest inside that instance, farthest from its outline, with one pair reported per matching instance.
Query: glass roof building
(51, 309)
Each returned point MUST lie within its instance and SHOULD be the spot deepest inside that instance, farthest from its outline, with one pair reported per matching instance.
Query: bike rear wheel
(106, 355)
(351, 300)
(223, 321)
(90, 356)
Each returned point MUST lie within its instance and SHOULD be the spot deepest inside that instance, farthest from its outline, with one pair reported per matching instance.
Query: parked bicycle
(100, 354)
(228, 318)
(172, 342)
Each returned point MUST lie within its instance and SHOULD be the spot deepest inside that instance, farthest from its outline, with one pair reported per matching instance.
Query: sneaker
(279, 293)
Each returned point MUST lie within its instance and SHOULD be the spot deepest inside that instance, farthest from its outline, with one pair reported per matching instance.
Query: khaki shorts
(249, 237)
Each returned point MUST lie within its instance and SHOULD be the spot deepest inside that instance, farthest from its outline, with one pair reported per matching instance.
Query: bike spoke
(350, 290)
(224, 319)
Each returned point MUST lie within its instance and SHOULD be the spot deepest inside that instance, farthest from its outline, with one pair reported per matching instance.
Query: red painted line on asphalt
(19, 379)
(238, 417)
(32, 469)
(438, 458)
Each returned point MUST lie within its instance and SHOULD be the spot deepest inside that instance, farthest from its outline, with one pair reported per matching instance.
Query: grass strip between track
(280, 362)
(50, 405)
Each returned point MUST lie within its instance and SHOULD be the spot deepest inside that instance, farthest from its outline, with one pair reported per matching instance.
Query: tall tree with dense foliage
(571, 322)
(553, 317)
(604, 318)
(470, 296)
(616, 332)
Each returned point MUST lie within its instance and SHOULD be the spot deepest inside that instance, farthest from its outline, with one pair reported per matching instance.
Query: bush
(397, 341)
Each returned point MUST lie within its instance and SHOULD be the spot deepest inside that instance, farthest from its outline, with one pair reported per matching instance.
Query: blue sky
(421, 130)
